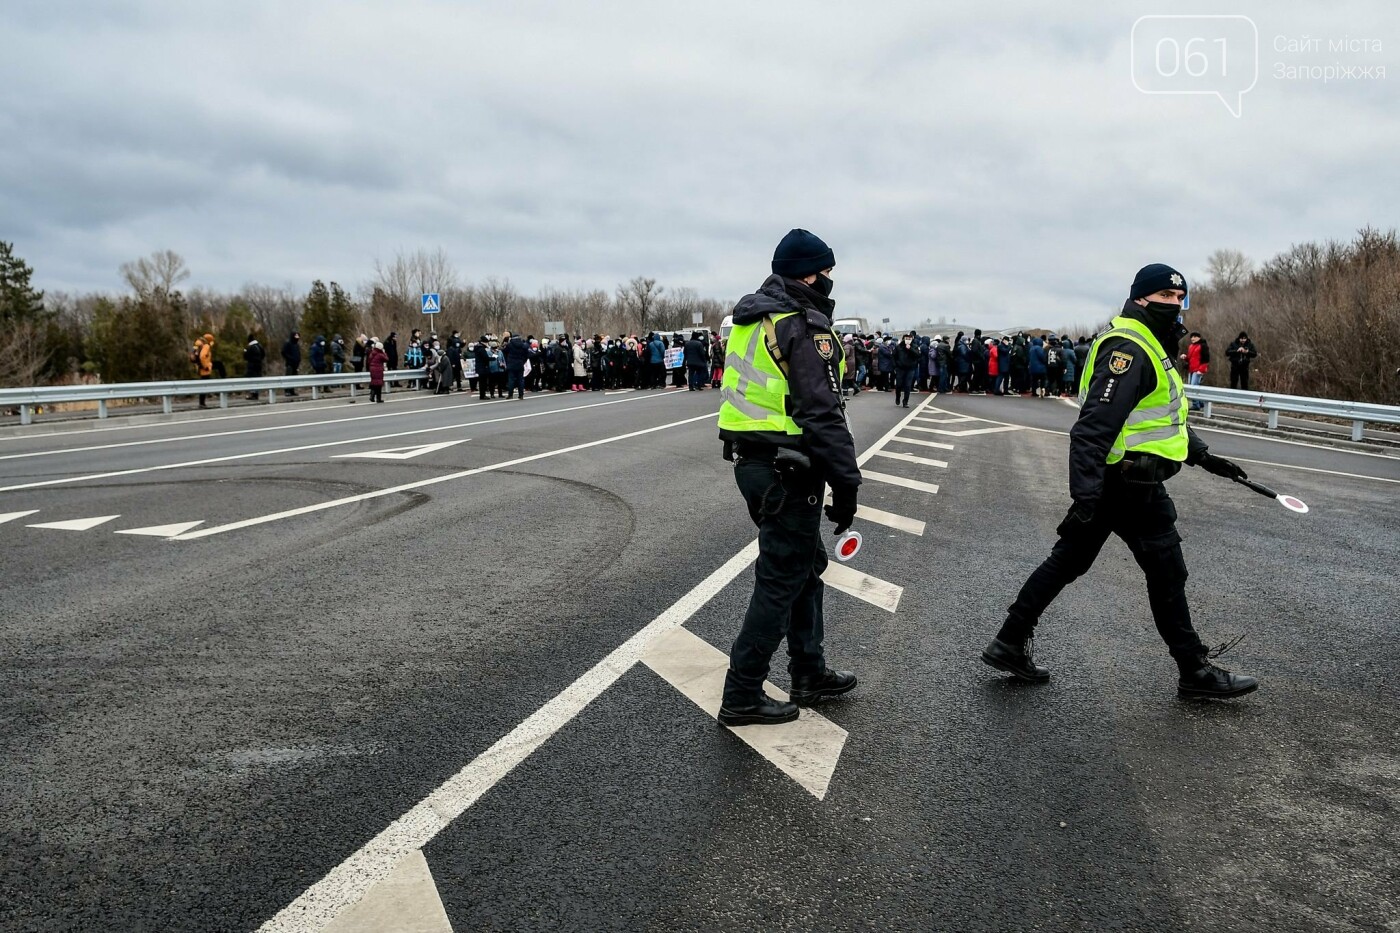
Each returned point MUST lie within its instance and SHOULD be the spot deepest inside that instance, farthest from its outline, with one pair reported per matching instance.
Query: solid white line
(347, 882)
(1291, 443)
(911, 458)
(232, 433)
(289, 450)
(162, 531)
(419, 484)
(873, 590)
(1290, 466)
(899, 481)
(806, 749)
(914, 440)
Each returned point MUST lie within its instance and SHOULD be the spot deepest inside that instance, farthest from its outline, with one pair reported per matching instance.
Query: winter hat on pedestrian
(1154, 278)
(801, 254)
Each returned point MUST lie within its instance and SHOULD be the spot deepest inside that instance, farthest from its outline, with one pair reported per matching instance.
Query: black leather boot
(810, 689)
(1015, 658)
(765, 711)
(1201, 679)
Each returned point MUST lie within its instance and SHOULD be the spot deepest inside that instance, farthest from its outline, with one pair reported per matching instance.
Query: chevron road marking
(954, 419)
(970, 431)
(406, 901)
(401, 453)
(806, 750)
(872, 590)
(911, 458)
(914, 440)
(11, 516)
(900, 481)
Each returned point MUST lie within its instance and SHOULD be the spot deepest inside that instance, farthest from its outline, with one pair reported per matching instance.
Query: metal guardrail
(1358, 413)
(28, 399)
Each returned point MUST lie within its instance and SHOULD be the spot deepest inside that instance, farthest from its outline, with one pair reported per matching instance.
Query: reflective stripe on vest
(1157, 425)
(754, 389)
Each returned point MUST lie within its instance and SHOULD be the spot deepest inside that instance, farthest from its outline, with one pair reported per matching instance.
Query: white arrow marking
(806, 749)
(401, 453)
(77, 524)
(162, 531)
(11, 516)
(873, 590)
(406, 901)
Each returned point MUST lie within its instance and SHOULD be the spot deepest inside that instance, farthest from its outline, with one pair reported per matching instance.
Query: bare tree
(636, 301)
(157, 275)
(499, 302)
(24, 354)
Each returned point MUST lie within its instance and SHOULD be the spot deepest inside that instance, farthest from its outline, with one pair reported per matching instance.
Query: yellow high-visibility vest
(1158, 424)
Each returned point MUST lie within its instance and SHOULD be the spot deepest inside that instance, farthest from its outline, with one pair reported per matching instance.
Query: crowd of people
(509, 365)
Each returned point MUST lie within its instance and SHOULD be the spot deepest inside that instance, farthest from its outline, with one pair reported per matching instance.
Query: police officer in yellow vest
(783, 423)
(1130, 437)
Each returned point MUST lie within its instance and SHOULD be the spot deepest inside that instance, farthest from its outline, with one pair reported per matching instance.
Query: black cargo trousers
(1143, 515)
(786, 505)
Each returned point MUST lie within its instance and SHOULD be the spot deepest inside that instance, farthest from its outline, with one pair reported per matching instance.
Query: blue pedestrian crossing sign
(432, 302)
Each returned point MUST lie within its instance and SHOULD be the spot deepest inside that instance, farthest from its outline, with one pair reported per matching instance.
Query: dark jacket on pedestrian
(517, 351)
(1240, 352)
(695, 354)
(906, 357)
(391, 351)
(1037, 357)
(815, 397)
(291, 354)
(253, 356)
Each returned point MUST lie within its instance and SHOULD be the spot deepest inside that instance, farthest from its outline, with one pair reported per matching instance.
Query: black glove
(1078, 517)
(1221, 467)
(842, 510)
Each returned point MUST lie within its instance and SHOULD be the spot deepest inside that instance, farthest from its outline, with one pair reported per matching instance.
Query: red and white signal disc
(848, 546)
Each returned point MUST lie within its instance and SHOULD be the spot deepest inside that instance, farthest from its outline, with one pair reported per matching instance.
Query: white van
(725, 326)
(850, 325)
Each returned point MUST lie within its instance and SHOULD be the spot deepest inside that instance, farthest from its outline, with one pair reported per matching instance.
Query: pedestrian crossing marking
(911, 458)
(77, 524)
(162, 531)
(11, 516)
(899, 481)
(806, 749)
(406, 901)
(862, 586)
(953, 419)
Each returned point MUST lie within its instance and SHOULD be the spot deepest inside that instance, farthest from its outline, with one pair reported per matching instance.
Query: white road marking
(888, 519)
(899, 481)
(971, 431)
(298, 449)
(953, 420)
(347, 883)
(401, 453)
(914, 440)
(11, 516)
(76, 524)
(162, 531)
(915, 427)
(806, 749)
(911, 458)
(406, 901)
(873, 590)
(419, 484)
(277, 427)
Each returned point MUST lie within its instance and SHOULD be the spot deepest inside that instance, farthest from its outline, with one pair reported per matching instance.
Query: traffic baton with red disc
(1292, 503)
(847, 546)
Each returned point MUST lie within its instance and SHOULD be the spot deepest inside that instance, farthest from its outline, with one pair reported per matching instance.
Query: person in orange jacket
(204, 361)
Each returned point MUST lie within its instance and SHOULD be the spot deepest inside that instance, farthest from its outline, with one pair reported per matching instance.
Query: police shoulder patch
(1119, 362)
(825, 344)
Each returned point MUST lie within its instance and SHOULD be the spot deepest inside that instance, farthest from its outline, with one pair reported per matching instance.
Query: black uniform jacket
(813, 355)
(1110, 399)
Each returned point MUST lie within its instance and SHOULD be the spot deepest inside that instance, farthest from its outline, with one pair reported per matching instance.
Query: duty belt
(782, 458)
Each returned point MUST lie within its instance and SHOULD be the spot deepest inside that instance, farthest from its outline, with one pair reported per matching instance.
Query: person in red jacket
(1197, 359)
(995, 376)
(378, 362)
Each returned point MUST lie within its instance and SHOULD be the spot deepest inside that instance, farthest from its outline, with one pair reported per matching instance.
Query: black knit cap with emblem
(1153, 278)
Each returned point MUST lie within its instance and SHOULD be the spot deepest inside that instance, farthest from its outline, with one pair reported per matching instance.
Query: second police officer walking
(783, 423)
(1131, 436)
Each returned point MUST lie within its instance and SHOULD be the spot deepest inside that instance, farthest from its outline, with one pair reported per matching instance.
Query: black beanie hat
(1155, 277)
(801, 254)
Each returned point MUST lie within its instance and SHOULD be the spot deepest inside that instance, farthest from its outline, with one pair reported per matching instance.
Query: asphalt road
(236, 724)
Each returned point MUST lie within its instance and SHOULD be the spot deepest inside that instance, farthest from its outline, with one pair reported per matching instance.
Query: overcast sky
(989, 162)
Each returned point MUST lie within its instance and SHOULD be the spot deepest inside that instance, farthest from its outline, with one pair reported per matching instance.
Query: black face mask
(1163, 317)
(822, 286)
